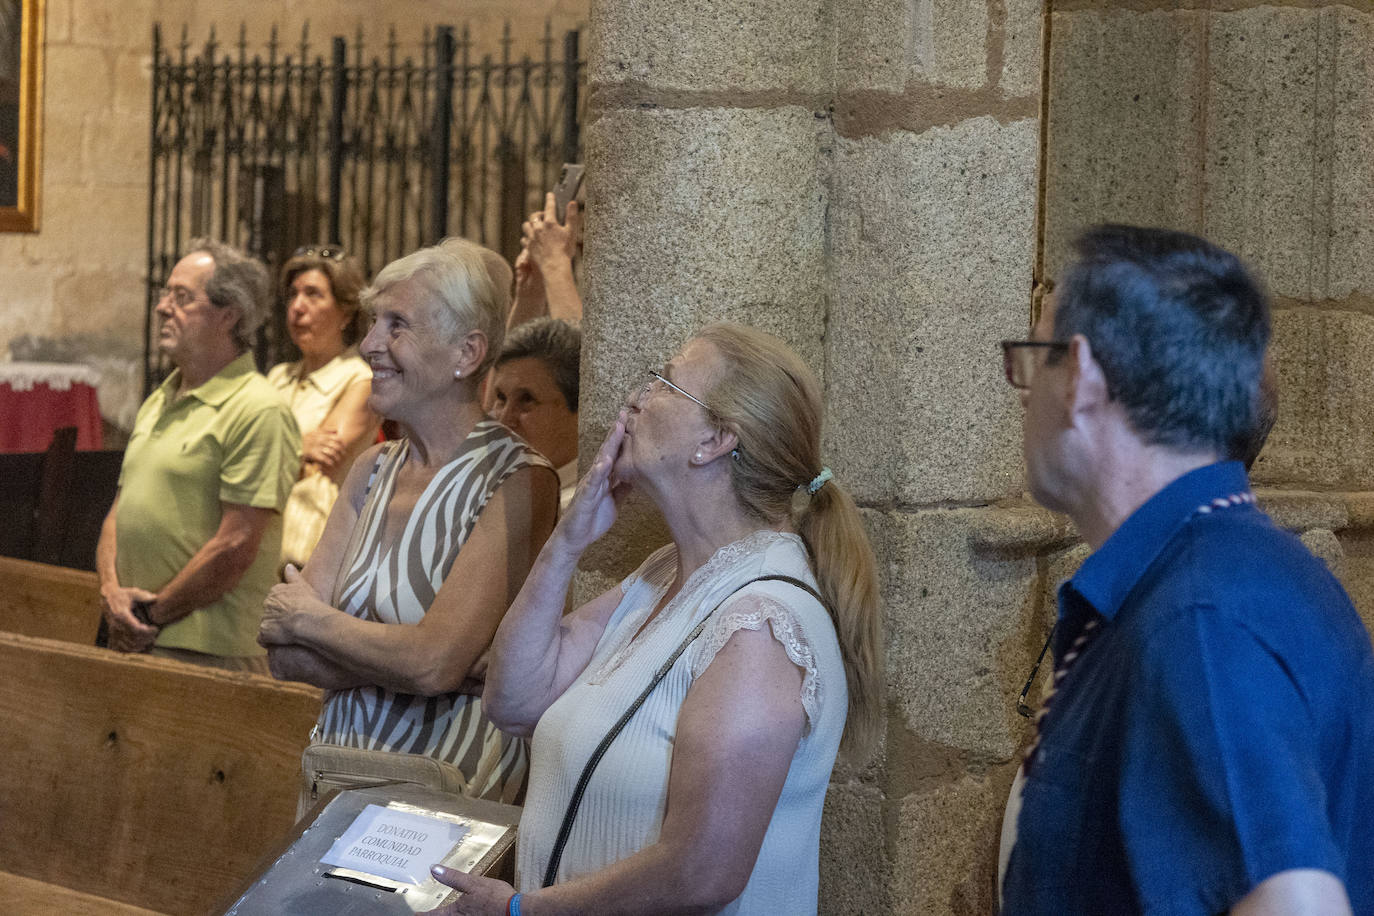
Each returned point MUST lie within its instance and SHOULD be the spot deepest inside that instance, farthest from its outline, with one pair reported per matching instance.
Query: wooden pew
(139, 780)
(52, 602)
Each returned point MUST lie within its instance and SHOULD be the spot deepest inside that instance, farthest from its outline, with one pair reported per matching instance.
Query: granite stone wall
(1251, 124)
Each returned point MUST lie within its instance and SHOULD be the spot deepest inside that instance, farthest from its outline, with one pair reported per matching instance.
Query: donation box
(369, 851)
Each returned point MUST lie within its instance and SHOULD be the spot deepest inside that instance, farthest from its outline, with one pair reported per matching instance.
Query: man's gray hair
(238, 280)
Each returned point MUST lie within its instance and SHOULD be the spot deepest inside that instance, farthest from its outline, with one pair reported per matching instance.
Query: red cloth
(28, 418)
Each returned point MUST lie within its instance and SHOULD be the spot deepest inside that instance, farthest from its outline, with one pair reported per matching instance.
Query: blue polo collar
(1107, 577)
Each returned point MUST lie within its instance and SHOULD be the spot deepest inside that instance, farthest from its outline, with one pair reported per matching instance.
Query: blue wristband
(514, 906)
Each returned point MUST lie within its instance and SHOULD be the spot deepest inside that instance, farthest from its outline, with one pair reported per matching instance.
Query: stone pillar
(859, 177)
(932, 242)
(706, 144)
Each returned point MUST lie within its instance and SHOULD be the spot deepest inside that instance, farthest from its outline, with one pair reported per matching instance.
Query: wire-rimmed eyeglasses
(656, 377)
(1019, 362)
(328, 252)
(180, 295)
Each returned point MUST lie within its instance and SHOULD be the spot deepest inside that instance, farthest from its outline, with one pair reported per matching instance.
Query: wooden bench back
(140, 779)
(52, 602)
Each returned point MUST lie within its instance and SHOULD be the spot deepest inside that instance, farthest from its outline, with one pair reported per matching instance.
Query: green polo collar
(219, 387)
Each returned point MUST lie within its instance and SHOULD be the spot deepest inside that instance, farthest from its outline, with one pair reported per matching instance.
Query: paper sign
(394, 844)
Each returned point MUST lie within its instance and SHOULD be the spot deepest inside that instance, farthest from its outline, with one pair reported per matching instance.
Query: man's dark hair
(557, 343)
(1179, 327)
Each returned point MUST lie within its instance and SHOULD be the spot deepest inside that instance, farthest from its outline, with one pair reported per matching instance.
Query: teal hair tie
(819, 481)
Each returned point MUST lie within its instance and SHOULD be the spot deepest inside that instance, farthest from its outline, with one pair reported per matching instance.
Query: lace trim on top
(750, 612)
(657, 574)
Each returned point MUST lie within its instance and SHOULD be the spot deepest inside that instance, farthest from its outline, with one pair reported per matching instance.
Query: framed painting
(21, 115)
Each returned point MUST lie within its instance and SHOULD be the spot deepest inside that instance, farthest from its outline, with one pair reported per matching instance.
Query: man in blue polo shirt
(1209, 743)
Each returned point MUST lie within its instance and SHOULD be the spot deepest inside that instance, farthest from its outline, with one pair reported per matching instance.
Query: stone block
(950, 43)
(856, 867)
(1022, 40)
(133, 84)
(945, 855)
(695, 216)
(28, 303)
(712, 45)
(1357, 572)
(1326, 401)
(1298, 510)
(1126, 116)
(92, 300)
(960, 636)
(1290, 126)
(126, 24)
(1020, 529)
(1351, 226)
(107, 226)
(874, 44)
(932, 244)
(62, 137)
(1326, 547)
(57, 22)
(114, 149)
(77, 79)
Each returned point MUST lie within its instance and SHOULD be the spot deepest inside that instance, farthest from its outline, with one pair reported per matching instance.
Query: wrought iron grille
(279, 148)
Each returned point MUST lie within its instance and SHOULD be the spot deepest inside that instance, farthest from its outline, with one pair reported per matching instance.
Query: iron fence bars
(280, 147)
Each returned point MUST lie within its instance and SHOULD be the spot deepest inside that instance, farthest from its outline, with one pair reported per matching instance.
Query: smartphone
(569, 181)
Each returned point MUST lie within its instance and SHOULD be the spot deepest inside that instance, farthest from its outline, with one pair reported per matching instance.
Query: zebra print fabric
(396, 583)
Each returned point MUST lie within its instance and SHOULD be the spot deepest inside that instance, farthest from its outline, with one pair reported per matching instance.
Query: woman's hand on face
(481, 896)
(597, 501)
(286, 603)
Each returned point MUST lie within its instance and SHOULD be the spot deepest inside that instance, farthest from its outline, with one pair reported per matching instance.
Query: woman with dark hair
(326, 389)
(746, 649)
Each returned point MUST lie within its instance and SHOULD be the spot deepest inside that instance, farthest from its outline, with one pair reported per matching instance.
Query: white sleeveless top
(622, 811)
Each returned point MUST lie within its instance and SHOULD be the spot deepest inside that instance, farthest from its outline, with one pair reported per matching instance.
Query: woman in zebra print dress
(429, 541)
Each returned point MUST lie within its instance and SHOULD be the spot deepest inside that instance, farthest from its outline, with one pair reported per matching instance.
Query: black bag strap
(575, 801)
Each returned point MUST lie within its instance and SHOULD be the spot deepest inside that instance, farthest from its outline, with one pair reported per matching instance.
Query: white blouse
(622, 810)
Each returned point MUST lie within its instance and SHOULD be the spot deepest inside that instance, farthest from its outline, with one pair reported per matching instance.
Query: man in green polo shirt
(190, 546)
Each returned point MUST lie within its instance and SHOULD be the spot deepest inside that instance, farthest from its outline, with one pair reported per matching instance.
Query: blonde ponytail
(771, 401)
(846, 573)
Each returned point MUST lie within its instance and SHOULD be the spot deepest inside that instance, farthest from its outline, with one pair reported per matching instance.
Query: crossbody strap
(575, 802)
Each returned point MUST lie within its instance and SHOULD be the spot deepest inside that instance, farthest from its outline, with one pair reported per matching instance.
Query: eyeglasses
(655, 378)
(180, 295)
(1018, 358)
(329, 253)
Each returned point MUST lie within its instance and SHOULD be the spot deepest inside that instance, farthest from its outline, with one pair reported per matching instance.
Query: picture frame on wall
(21, 113)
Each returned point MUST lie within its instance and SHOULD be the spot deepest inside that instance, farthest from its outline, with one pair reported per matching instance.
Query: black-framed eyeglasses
(655, 378)
(328, 252)
(1019, 358)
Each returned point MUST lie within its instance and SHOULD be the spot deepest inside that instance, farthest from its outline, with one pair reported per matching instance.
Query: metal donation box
(369, 851)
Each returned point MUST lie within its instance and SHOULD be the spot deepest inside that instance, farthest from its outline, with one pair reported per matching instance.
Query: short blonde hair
(465, 298)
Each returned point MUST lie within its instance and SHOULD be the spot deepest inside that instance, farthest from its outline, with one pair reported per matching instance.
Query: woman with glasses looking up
(709, 799)
(326, 389)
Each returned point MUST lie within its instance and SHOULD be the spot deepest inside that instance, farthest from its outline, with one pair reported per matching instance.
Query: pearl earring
(457, 373)
(698, 457)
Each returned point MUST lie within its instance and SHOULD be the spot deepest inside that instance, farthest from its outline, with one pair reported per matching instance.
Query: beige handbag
(303, 518)
(327, 768)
